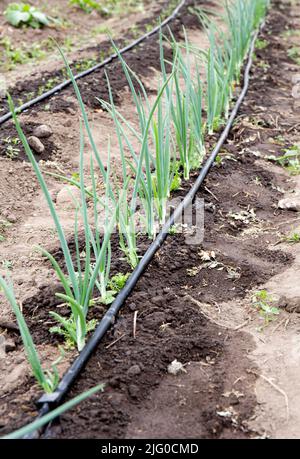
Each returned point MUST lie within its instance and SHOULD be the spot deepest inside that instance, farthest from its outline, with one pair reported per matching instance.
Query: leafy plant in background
(106, 8)
(86, 5)
(18, 14)
(47, 379)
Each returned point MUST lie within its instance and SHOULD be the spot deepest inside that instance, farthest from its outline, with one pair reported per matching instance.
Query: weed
(262, 301)
(12, 150)
(293, 239)
(261, 44)
(192, 272)
(118, 281)
(219, 161)
(173, 230)
(291, 160)
(50, 84)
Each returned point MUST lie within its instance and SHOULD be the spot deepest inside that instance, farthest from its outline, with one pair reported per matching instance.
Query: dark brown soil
(169, 325)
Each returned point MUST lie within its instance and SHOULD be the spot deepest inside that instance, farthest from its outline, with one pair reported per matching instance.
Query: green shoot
(262, 301)
(293, 239)
(47, 379)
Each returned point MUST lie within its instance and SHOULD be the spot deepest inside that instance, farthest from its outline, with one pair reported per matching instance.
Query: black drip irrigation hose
(50, 401)
(102, 64)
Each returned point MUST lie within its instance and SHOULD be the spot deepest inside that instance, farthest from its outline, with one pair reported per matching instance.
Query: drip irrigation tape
(102, 64)
(50, 401)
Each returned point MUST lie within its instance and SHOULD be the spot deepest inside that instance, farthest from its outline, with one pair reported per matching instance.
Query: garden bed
(179, 296)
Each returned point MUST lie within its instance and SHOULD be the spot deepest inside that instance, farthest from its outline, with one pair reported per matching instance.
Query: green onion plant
(47, 379)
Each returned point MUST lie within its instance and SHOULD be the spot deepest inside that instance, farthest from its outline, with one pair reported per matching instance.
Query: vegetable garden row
(170, 139)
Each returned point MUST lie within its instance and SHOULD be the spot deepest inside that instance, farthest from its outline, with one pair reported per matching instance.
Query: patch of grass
(13, 55)
(50, 84)
(85, 64)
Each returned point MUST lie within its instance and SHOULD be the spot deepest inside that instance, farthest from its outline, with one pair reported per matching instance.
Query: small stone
(15, 377)
(132, 306)
(209, 207)
(134, 370)
(158, 300)
(292, 204)
(69, 196)
(11, 218)
(114, 382)
(176, 367)
(43, 131)
(36, 144)
(70, 110)
(67, 123)
(292, 304)
(155, 319)
(133, 390)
